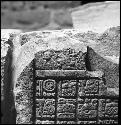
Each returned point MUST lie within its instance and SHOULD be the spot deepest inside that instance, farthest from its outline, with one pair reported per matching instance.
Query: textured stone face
(33, 42)
(6, 75)
(2, 76)
(66, 59)
(97, 62)
(5, 35)
(111, 110)
(52, 82)
(24, 96)
(62, 100)
(96, 17)
(59, 99)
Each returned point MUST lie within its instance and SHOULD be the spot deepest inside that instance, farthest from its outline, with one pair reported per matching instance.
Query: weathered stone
(37, 38)
(2, 75)
(110, 69)
(69, 73)
(91, 87)
(23, 96)
(109, 42)
(5, 35)
(108, 108)
(88, 16)
(87, 109)
(44, 87)
(44, 122)
(45, 108)
(112, 91)
(59, 100)
(7, 96)
(108, 122)
(66, 122)
(60, 60)
(87, 122)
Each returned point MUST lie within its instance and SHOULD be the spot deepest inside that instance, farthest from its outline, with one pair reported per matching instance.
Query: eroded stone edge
(23, 55)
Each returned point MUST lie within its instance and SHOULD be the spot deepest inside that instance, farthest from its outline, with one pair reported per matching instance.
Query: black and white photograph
(60, 62)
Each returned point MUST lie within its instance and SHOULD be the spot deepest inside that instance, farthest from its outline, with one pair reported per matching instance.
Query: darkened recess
(9, 112)
(92, 1)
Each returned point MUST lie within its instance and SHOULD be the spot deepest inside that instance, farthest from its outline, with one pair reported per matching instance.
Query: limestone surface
(96, 17)
(41, 56)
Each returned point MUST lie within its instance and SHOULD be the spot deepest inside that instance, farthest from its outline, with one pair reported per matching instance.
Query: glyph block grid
(65, 101)
(69, 100)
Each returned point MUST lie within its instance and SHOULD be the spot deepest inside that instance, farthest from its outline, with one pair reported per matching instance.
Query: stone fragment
(58, 90)
(88, 16)
(7, 96)
(111, 70)
(87, 109)
(23, 92)
(60, 60)
(108, 108)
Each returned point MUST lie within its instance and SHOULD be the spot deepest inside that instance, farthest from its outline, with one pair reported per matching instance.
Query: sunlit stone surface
(96, 17)
(51, 81)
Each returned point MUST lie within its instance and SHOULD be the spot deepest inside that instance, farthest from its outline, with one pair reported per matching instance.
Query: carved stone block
(66, 108)
(24, 96)
(87, 108)
(2, 77)
(45, 108)
(108, 109)
(45, 88)
(67, 88)
(88, 87)
(114, 122)
(66, 122)
(44, 122)
(86, 122)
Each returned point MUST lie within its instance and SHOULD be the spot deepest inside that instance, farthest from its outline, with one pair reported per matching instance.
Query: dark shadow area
(92, 1)
(8, 105)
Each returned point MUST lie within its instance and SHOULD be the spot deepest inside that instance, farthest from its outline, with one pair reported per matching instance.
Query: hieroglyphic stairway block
(67, 88)
(45, 108)
(66, 109)
(108, 111)
(72, 100)
(59, 95)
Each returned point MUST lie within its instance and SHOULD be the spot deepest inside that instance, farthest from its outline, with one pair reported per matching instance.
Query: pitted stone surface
(66, 59)
(2, 77)
(32, 42)
(5, 35)
(42, 41)
(60, 101)
(24, 96)
(56, 50)
(96, 17)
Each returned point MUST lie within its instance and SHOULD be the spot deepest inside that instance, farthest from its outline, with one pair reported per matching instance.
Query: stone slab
(96, 17)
